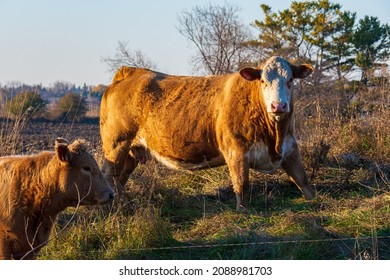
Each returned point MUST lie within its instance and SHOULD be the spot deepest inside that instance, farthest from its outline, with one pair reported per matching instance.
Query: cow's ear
(250, 74)
(62, 151)
(302, 71)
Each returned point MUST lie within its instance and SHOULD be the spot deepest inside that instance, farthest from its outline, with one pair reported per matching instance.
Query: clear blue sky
(43, 41)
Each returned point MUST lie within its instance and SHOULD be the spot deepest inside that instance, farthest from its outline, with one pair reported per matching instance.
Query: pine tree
(372, 44)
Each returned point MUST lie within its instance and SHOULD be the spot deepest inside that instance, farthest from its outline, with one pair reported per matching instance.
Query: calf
(34, 189)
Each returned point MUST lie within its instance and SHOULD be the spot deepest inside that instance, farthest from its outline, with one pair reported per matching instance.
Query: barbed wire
(260, 243)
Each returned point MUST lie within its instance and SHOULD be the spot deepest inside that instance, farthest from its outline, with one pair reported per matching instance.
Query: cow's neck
(270, 131)
(279, 130)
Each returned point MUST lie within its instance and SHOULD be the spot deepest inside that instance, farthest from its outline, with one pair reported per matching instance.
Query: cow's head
(276, 78)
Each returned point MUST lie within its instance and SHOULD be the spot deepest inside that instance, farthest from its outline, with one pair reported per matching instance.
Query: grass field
(344, 136)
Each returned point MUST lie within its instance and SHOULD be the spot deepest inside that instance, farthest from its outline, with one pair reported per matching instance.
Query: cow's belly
(187, 165)
(257, 156)
(260, 160)
(188, 160)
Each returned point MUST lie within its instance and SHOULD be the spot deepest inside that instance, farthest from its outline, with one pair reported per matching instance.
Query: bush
(26, 104)
(70, 107)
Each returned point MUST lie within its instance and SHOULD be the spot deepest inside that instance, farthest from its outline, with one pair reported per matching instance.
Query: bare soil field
(38, 135)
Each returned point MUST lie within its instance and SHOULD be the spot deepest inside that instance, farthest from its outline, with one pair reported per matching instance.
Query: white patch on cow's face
(276, 81)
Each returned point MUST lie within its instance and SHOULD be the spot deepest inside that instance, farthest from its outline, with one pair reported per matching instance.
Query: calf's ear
(62, 151)
(302, 71)
(61, 140)
(250, 74)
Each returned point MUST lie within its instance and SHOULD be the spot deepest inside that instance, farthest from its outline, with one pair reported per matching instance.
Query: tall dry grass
(10, 133)
(336, 123)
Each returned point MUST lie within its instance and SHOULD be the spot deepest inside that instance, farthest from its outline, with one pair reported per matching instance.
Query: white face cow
(276, 77)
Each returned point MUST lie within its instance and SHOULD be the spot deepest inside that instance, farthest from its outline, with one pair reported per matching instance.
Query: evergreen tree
(372, 44)
(340, 52)
(316, 31)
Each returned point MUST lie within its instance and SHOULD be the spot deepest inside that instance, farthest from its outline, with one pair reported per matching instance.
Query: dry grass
(10, 134)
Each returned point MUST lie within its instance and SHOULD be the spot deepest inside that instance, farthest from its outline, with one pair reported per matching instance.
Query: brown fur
(34, 189)
(194, 123)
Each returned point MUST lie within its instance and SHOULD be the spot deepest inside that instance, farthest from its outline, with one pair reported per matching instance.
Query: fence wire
(261, 243)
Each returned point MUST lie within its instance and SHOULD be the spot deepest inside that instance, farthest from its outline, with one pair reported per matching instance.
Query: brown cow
(242, 119)
(34, 189)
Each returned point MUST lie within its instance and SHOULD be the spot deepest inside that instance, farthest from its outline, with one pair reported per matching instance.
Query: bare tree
(218, 35)
(124, 57)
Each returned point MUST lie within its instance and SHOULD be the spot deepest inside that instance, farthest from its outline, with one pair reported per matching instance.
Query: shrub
(70, 107)
(26, 104)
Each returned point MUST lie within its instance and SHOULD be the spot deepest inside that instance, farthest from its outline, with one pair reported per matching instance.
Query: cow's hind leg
(293, 166)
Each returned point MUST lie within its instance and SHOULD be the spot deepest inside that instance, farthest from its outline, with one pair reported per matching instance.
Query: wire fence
(374, 239)
(260, 243)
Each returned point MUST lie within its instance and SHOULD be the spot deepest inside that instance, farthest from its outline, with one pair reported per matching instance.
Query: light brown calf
(34, 189)
(243, 119)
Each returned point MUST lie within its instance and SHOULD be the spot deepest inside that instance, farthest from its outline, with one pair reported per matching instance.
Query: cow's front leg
(293, 166)
(118, 164)
(239, 172)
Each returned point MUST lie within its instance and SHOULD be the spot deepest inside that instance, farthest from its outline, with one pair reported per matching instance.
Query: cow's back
(172, 115)
(137, 92)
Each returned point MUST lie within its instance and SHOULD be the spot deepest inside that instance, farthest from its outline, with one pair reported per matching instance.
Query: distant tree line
(62, 101)
(70, 107)
(58, 89)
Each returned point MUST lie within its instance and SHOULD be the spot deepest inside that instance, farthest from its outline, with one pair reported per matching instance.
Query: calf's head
(81, 180)
(276, 77)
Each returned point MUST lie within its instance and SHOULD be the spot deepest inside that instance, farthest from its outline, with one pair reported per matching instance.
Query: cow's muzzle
(278, 110)
(278, 107)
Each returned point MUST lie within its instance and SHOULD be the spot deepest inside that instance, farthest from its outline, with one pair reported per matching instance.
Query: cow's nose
(278, 107)
(112, 195)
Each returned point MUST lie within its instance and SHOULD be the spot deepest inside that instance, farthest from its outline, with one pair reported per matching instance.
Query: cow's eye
(87, 168)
